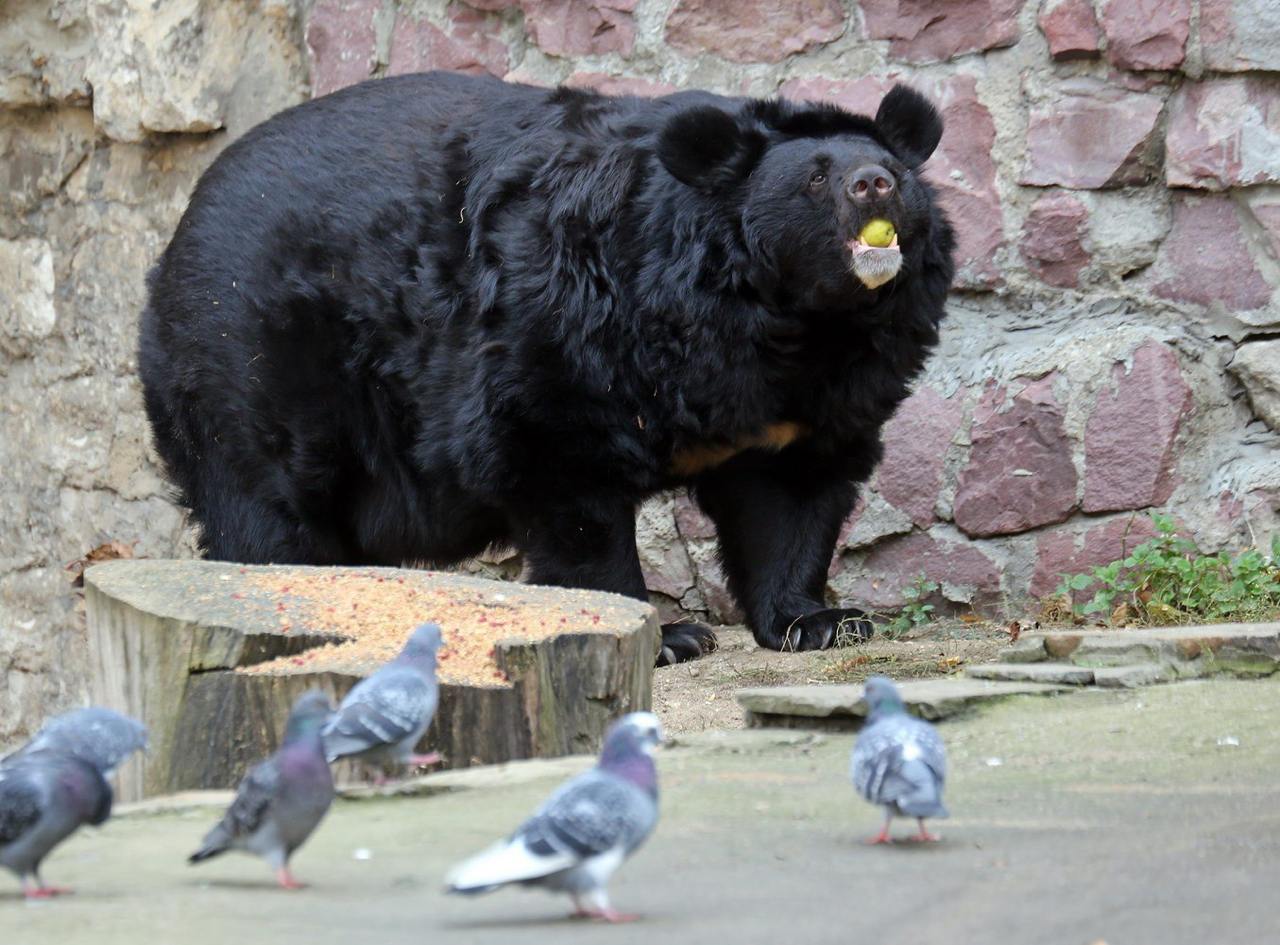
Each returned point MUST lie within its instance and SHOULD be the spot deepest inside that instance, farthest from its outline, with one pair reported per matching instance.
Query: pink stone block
(341, 43)
(1053, 240)
(1224, 133)
(1091, 135)
(753, 30)
(916, 441)
(1130, 437)
(1071, 28)
(1020, 473)
(1146, 34)
(1240, 35)
(1205, 259)
(893, 566)
(1074, 550)
(581, 27)
(934, 32)
(469, 44)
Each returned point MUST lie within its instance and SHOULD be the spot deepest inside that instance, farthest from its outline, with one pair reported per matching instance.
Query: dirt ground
(693, 697)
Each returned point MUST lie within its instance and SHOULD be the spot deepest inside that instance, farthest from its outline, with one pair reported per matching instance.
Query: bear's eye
(817, 179)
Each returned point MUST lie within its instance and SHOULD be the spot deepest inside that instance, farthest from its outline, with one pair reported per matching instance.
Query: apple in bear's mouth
(875, 265)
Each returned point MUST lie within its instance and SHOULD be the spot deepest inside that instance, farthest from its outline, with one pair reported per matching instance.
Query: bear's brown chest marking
(695, 459)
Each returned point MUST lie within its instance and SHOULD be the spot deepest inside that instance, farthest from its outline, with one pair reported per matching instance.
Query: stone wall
(1114, 343)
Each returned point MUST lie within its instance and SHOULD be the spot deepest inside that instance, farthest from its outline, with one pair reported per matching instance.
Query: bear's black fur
(433, 313)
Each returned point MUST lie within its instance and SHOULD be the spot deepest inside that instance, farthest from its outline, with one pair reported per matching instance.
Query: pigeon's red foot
(47, 892)
(924, 836)
(430, 758)
(881, 837)
(606, 915)
(286, 880)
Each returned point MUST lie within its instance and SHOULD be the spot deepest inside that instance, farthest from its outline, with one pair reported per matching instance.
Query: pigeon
(102, 737)
(384, 717)
(584, 831)
(898, 761)
(281, 800)
(44, 796)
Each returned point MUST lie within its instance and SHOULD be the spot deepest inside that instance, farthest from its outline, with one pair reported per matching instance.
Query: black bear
(433, 313)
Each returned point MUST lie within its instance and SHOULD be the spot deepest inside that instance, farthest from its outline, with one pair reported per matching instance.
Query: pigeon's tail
(338, 745)
(510, 861)
(925, 798)
(214, 844)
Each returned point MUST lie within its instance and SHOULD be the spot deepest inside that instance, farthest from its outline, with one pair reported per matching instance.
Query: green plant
(1167, 580)
(916, 612)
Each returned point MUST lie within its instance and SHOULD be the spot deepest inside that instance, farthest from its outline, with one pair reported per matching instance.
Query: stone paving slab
(843, 706)
(1066, 673)
(1130, 677)
(1139, 657)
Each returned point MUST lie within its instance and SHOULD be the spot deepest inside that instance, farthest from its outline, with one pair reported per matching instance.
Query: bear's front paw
(838, 626)
(682, 642)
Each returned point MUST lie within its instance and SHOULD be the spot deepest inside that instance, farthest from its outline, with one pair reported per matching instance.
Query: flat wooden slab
(210, 656)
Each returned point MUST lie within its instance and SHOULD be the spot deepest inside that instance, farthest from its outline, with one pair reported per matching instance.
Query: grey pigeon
(898, 761)
(281, 800)
(584, 830)
(384, 717)
(44, 797)
(102, 737)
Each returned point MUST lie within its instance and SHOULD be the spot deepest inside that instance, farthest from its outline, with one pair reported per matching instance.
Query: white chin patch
(874, 266)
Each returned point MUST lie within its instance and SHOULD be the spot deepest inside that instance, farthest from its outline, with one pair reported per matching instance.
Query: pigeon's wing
(21, 804)
(591, 815)
(932, 752)
(384, 709)
(253, 800)
(899, 760)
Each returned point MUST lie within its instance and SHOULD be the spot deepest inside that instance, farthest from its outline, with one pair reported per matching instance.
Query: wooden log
(211, 655)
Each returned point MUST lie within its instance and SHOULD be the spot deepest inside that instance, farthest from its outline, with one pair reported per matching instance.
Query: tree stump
(211, 655)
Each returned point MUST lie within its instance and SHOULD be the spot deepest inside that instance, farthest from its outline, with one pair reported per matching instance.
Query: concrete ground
(1146, 816)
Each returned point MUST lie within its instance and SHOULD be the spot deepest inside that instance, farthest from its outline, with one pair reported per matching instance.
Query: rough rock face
(342, 40)
(916, 443)
(1257, 365)
(1224, 133)
(1071, 28)
(467, 44)
(1110, 166)
(1131, 434)
(1053, 240)
(1090, 134)
(1146, 34)
(922, 32)
(1206, 259)
(1240, 35)
(581, 27)
(1070, 549)
(1020, 473)
(753, 30)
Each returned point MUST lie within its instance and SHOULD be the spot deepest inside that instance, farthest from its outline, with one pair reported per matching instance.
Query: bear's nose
(872, 182)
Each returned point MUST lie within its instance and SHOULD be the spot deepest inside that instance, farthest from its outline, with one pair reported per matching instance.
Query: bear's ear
(706, 148)
(910, 124)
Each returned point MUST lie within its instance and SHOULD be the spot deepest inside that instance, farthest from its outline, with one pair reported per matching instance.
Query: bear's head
(803, 181)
